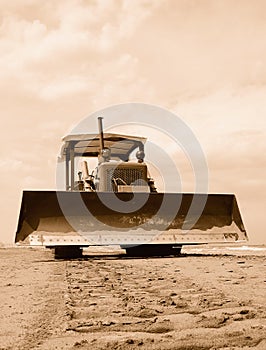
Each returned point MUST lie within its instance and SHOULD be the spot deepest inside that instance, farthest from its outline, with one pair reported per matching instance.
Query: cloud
(196, 47)
(228, 122)
(10, 164)
(59, 60)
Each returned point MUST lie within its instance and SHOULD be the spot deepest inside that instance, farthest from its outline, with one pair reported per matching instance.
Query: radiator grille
(129, 175)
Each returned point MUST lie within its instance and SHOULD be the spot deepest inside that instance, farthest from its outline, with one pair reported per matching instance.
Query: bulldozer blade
(54, 218)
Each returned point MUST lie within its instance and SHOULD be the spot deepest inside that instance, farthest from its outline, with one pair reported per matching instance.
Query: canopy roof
(88, 145)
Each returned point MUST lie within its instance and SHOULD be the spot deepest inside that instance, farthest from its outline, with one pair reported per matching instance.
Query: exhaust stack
(100, 127)
(104, 151)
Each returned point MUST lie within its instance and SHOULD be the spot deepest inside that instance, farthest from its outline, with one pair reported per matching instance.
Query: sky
(203, 60)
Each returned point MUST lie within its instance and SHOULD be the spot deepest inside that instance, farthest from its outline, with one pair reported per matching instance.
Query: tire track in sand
(156, 304)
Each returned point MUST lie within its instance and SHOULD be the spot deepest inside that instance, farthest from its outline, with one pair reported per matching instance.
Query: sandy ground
(196, 301)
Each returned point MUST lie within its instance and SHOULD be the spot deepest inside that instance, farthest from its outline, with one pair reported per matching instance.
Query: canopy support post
(67, 170)
(72, 166)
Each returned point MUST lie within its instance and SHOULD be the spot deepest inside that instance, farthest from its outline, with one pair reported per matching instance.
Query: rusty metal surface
(64, 214)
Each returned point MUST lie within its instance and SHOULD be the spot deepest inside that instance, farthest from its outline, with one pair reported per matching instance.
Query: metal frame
(70, 161)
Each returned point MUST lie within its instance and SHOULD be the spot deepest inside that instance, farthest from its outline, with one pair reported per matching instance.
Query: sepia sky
(204, 60)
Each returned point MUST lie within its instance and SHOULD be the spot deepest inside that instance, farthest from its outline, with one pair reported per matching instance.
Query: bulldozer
(117, 204)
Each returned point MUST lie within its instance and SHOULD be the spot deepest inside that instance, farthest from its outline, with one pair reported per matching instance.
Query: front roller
(63, 218)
